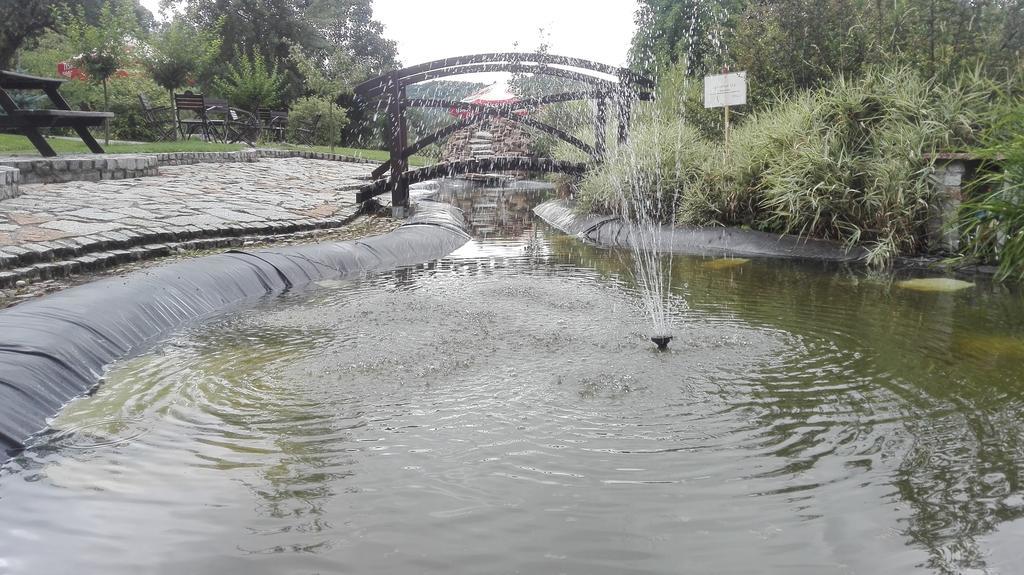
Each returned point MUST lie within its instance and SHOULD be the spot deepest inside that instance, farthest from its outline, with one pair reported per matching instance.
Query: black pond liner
(56, 348)
(610, 231)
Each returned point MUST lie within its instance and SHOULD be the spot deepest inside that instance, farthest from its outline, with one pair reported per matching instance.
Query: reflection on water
(502, 411)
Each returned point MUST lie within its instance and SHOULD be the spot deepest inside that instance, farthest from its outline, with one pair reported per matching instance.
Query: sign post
(725, 90)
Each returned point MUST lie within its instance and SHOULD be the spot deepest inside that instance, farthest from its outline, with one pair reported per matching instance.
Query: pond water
(502, 411)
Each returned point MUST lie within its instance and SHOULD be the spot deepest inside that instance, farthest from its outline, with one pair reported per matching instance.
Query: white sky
(426, 30)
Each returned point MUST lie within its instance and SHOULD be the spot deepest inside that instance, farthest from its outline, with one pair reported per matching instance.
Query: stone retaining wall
(77, 168)
(9, 178)
(61, 258)
(254, 155)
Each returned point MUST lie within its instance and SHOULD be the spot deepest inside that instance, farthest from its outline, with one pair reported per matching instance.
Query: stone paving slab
(50, 223)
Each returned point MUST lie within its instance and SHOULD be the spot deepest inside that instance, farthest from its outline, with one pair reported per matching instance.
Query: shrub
(304, 110)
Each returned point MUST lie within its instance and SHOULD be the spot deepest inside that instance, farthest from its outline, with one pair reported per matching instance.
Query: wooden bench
(29, 121)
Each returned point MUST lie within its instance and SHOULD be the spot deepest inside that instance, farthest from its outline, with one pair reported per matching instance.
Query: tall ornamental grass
(992, 223)
(849, 162)
(661, 161)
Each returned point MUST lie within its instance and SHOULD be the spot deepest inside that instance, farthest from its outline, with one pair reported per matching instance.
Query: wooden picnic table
(29, 121)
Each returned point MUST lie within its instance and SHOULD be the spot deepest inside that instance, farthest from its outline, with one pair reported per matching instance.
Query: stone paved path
(218, 195)
(58, 230)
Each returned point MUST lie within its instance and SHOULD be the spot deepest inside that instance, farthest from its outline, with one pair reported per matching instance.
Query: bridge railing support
(604, 90)
(399, 141)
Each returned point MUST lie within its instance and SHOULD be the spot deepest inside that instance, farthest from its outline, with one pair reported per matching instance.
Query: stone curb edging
(251, 155)
(74, 168)
(63, 258)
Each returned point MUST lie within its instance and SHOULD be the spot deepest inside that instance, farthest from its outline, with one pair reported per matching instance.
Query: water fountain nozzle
(661, 341)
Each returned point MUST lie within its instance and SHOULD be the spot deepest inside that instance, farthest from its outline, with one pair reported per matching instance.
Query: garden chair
(305, 132)
(241, 126)
(191, 113)
(274, 123)
(160, 119)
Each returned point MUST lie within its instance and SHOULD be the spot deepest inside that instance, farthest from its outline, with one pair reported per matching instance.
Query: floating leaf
(935, 284)
(724, 263)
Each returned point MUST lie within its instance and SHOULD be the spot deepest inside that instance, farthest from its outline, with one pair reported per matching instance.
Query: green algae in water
(992, 346)
(935, 284)
(725, 263)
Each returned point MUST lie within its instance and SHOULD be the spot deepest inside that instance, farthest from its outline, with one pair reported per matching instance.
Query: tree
(23, 21)
(266, 28)
(786, 45)
(251, 83)
(179, 52)
(319, 27)
(795, 44)
(104, 45)
(690, 31)
(349, 25)
(328, 79)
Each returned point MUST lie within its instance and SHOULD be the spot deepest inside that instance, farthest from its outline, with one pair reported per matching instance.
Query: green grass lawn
(15, 145)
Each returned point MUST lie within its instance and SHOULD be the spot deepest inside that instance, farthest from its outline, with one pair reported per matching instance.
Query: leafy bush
(251, 84)
(304, 110)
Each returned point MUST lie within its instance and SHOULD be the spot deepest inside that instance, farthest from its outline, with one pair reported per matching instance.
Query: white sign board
(725, 90)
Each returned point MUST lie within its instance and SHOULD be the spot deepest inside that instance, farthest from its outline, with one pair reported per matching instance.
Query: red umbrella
(497, 94)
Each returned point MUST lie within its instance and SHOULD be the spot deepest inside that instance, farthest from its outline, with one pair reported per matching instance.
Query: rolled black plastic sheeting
(56, 348)
(611, 231)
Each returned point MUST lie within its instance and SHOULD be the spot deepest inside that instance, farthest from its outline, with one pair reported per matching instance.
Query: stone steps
(63, 258)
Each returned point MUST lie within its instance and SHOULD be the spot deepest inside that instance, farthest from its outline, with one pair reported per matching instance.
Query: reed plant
(851, 162)
(992, 222)
(848, 162)
(662, 160)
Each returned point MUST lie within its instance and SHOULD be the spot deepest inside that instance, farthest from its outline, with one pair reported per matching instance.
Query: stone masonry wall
(78, 168)
(506, 139)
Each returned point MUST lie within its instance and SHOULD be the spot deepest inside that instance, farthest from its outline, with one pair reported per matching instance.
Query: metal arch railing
(530, 62)
(604, 83)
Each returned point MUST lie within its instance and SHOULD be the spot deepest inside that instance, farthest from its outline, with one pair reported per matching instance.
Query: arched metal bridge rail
(604, 84)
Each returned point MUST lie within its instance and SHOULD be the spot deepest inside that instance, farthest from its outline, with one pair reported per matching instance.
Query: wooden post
(396, 146)
(727, 125)
(600, 125)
